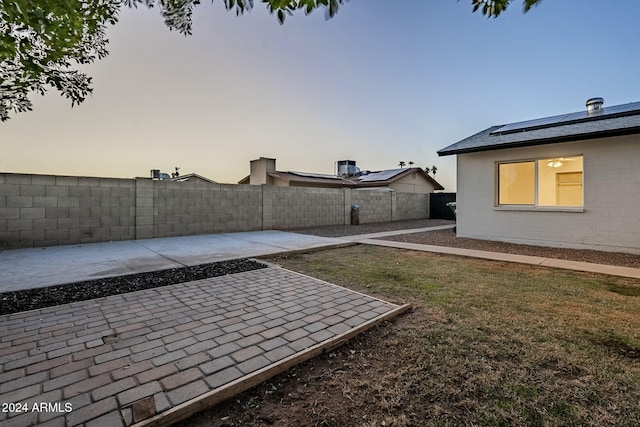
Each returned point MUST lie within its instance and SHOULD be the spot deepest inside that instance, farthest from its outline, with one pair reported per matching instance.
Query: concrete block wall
(195, 207)
(45, 210)
(375, 206)
(145, 212)
(295, 207)
(411, 206)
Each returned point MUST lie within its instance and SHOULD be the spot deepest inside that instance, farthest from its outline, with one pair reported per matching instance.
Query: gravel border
(31, 299)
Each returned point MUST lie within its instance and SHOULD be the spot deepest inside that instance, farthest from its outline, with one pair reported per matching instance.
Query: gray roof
(611, 121)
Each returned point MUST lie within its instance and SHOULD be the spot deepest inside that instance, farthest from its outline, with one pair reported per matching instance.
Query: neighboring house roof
(610, 121)
(310, 178)
(371, 179)
(187, 177)
(302, 177)
(382, 175)
(390, 175)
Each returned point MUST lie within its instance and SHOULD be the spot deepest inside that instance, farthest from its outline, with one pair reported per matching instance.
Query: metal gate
(438, 208)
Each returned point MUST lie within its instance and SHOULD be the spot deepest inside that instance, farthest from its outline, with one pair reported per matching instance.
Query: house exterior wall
(609, 220)
(46, 210)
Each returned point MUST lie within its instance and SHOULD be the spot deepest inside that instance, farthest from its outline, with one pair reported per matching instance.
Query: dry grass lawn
(487, 344)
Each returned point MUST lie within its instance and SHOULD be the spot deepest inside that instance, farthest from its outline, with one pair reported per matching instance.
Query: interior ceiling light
(554, 163)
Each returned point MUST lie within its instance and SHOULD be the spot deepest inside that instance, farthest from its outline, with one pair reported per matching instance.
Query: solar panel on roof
(530, 124)
(632, 108)
(380, 176)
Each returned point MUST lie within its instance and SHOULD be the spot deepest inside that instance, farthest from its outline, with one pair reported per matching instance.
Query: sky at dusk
(381, 82)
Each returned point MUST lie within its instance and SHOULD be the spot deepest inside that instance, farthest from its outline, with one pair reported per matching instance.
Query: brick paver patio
(155, 356)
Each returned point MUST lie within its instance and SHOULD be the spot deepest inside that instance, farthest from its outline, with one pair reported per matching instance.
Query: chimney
(259, 171)
(594, 105)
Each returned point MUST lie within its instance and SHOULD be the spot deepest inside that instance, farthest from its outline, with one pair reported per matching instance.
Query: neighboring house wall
(610, 219)
(44, 210)
(413, 183)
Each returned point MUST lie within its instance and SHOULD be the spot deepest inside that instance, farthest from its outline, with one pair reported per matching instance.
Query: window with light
(542, 182)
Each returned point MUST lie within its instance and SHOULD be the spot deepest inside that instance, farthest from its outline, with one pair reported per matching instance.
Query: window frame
(535, 207)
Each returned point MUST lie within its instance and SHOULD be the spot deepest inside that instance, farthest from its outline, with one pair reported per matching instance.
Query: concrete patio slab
(193, 250)
(153, 357)
(40, 267)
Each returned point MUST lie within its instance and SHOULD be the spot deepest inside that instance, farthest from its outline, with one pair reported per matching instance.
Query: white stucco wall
(609, 221)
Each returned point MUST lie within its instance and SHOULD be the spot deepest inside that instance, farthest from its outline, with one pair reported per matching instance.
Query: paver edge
(323, 247)
(324, 282)
(213, 397)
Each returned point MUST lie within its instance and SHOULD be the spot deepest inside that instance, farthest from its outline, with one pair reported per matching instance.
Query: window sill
(538, 208)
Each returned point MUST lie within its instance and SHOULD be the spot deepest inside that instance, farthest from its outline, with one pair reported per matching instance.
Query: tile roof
(612, 121)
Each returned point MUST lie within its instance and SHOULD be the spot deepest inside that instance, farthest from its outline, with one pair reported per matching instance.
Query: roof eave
(543, 141)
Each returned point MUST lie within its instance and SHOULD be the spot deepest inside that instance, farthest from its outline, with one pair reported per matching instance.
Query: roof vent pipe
(594, 105)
